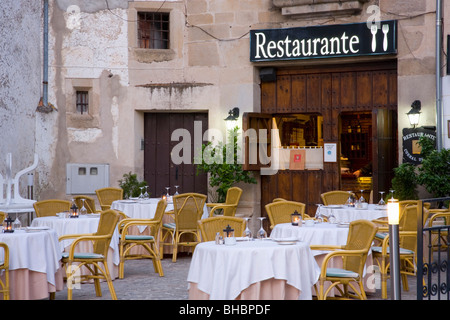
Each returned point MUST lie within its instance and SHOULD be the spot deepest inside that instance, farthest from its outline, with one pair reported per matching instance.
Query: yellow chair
(278, 199)
(89, 203)
(354, 254)
(210, 226)
(94, 260)
(408, 246)
(334, 197)
(106, 196)
(4, 266)
(439, 238)
(187, 210)
(2, 216)
(129, 241)
(46, 208)
(230, 205)
(280, 211)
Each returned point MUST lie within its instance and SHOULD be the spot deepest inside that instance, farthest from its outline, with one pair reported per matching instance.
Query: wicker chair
(334, 197)
(408, 245)
(129, 241)
(92, 260)
(230, 205)
(89, 203)
(278, 199)
(4, 267)
(46, 208)
(188, 209)
(354, 254)
(210, 226)
(280, 211)
(2, 216)
(439, 238)
(106, 196)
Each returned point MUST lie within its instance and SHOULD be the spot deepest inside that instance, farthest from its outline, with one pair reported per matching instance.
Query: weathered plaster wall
(20, 81)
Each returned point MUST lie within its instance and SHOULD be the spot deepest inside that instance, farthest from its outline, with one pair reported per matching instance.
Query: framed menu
(329, 152)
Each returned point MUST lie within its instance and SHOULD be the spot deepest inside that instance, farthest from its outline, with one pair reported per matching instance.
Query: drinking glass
(362, 200)
(319, 216)
(391, 191)
(167, 193)
(141, 196)
(176, 190)
(146, 195)
(83, 209)
(350, 200)
(17, 224)
(261, 232)
(381, 202)
(247, 232)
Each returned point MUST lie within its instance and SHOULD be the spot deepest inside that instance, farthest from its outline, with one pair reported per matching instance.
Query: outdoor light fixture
(8, 225)
(233, 115)
(393, 211)
(296, 218)
(414, 113)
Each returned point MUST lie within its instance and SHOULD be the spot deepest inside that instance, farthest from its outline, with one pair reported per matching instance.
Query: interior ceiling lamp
(233, 115)
(414, 113)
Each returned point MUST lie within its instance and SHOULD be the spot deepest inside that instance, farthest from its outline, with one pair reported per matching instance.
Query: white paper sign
(329, 152)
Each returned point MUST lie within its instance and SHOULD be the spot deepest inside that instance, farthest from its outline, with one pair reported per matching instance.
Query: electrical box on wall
(85, 178)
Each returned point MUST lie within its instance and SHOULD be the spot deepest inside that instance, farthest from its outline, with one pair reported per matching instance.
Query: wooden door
(331, 90)
(159, 169)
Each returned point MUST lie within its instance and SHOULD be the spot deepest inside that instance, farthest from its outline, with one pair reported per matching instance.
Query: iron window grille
(82, 103)
(153, 30)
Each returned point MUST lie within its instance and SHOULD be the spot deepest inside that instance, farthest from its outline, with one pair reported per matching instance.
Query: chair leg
(108, 279)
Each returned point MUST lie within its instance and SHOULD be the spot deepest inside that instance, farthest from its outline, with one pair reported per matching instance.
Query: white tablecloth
(224, 271)
(83, 224)
(144, 209)
(318, 234)
(349, 214)
(36, 251)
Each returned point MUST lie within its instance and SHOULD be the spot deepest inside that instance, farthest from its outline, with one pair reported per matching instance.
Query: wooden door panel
(284, 94)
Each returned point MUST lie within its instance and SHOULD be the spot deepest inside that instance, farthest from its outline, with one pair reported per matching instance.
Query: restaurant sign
(330, 41)
(411, 148)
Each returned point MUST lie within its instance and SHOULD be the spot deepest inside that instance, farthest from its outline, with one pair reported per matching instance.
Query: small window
(153, 30)
(82, 101)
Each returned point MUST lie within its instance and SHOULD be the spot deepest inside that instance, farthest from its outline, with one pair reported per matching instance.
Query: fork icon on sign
(385, 30)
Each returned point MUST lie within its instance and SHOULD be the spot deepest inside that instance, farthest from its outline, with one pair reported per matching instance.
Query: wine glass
(391, 191)
(167, 193)
(141, 196)
(362, 200)
(83, 209)
(146, 195)
(381, 202)
(261, 232)
(350, 200)
(319, 216)
(247, 232)
(176, 190)
(17, 224)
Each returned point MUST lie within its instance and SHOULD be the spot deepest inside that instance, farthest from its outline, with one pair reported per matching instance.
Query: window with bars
(82, 102)
(153, 30)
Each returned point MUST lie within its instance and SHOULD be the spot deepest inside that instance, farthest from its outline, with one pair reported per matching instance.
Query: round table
(81, 225)
(349, 214)
(34, 263)
(259, 269)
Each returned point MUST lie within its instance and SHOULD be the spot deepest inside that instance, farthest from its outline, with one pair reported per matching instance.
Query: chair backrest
(106, 196)
(2, 216)
(233, 197)
(106, 226)
(46, 208)
(280, 211)
(278, 199)
(89, 203)
(210, 226)
(159, 213)
(360, 236)
(408, 222)
(188, 209)
(334, 197)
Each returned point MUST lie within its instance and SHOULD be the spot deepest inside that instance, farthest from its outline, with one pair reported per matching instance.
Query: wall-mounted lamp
(233, 115)
(414, 113)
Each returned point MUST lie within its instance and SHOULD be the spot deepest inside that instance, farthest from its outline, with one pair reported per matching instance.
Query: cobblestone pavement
(142, 283)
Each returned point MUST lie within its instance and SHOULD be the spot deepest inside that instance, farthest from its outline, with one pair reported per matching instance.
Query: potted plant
(223, 174)
(405, 182)
(131, 185)
(434, 172)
